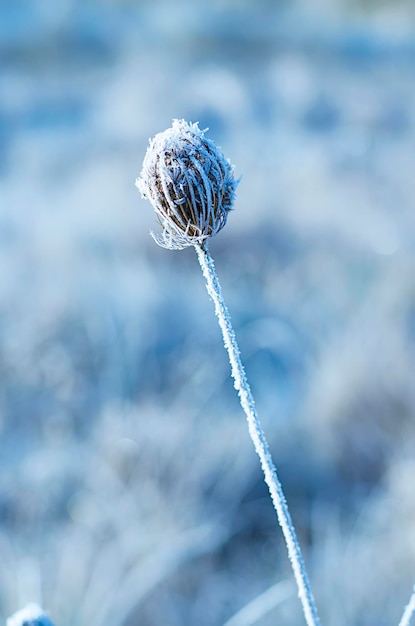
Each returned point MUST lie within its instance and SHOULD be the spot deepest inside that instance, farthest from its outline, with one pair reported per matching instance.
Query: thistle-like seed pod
(190, 184)
(31, 615)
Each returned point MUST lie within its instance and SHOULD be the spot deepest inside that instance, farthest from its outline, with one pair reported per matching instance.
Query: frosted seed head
(31, 615)
(190, 184)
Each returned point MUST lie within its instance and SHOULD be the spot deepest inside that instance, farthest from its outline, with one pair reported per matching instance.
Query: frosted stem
(409, 611)
(258, 437)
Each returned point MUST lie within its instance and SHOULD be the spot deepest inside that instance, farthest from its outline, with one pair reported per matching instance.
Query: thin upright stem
(258, 437)
(409, 611)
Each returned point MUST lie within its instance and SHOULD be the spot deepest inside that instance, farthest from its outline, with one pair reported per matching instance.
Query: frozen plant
(409, 611)
(30, 615)
(191, 185)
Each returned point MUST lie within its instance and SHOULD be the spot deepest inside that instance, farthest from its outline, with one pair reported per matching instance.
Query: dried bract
(190, 184)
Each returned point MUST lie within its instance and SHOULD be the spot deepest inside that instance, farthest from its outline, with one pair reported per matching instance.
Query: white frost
(30, 613)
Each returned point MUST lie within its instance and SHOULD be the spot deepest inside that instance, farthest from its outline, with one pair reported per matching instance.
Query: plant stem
(258, 437)
(409, 611)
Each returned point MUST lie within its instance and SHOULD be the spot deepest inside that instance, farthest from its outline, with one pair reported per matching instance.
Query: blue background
(129, 489)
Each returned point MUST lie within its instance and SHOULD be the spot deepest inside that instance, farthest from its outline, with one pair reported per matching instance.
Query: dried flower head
(31, 615)
(190, 184)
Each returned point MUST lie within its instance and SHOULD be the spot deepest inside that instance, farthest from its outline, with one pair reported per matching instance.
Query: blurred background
(129, 489)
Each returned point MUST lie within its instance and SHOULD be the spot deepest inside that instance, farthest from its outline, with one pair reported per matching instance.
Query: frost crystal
(190, 184)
